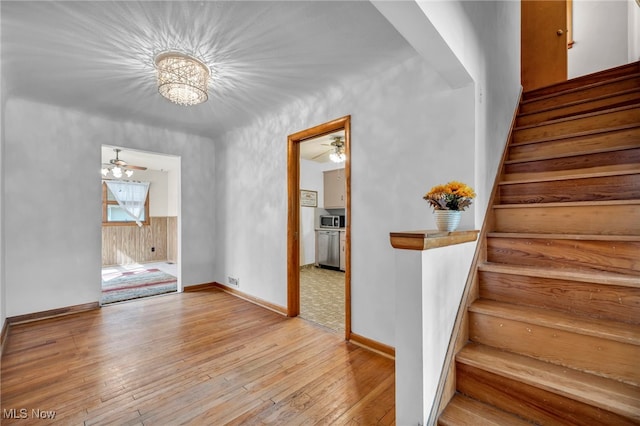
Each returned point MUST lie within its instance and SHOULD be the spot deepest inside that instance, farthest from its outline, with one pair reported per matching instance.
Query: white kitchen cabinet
(334, 189)
(343, 252)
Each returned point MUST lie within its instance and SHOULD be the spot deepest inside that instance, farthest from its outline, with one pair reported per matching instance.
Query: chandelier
(116, 172)
(182, 79)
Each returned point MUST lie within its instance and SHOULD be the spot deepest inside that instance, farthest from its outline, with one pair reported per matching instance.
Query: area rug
(119, 286)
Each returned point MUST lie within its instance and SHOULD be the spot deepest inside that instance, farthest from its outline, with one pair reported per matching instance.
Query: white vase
(447, 220)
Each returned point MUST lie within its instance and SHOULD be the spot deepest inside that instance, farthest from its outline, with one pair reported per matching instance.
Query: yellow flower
(460, 189)
(454, 195)
(439, 189)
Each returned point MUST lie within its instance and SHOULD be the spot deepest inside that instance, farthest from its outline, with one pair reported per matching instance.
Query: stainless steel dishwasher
(328, 248)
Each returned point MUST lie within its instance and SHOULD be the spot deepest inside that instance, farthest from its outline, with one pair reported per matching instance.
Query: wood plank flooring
(193, 358)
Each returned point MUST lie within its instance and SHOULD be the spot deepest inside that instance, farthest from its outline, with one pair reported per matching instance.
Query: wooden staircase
(551, 331)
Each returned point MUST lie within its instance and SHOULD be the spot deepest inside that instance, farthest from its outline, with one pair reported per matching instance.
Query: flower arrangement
(452, 196)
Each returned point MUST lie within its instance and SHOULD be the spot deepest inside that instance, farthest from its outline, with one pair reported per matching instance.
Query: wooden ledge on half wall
(425, 240)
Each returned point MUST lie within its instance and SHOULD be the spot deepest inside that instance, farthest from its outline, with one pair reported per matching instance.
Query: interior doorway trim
(293, 215)
(155, 162)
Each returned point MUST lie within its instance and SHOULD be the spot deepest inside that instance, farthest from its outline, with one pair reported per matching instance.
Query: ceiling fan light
(129, 173)
(337, 157)
(182, 79)
(104, 171)
(117, 172)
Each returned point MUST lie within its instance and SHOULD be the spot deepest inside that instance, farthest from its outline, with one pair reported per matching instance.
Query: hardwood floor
(202, 358)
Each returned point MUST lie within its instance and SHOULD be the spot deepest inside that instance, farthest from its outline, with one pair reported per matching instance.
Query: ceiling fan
(121, 163)
(336, 152)
(118, 166)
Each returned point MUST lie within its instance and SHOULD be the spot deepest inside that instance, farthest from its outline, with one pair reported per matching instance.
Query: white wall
(634, 31)
(173, 189)
(408, 133)
(158, 193)
(53, 202)
(601, 34)
(485, 36)
(440, 306)
(423, 299)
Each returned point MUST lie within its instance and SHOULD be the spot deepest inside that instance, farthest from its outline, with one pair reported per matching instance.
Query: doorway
(546, 28)
(296, 202)
(140, 224)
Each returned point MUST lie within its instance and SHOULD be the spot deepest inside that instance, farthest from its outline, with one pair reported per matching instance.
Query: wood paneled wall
(122, 245)
(172, 239)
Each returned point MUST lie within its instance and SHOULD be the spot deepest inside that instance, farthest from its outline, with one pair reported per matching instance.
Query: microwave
(331, 221)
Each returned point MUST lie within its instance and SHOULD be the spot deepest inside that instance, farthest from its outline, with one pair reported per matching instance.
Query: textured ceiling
(97, 56)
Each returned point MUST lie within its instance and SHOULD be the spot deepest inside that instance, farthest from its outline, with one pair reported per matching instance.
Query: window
(113, 214)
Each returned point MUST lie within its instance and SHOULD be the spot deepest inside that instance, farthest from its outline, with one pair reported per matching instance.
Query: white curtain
(130, 196)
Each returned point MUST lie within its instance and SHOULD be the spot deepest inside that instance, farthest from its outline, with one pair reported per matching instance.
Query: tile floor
(322, 297)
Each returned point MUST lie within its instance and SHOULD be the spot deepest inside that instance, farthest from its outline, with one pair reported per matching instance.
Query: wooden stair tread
(625, 81)
(564, 236)
(595, 96)
(581, 101)
(530, 96)
(577, 117)
(464, 410)
(566, 108)
(611, 395)
(568, 204)
(602, 328)
(574, 135)
(576, 153)
(550, 176)
(610, 278)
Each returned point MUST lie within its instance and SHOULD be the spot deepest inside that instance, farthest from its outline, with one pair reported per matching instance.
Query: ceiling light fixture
(116, 172)
(182, 79)
(337, 155)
